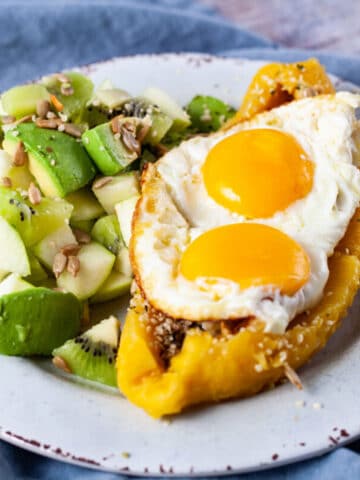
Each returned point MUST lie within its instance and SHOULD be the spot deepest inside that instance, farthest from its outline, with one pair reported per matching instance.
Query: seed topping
(20, 157)
(81, 236)
(70, 249)
(101, 182)
(34, 194)
(42, 108)
(73, 265)
(59, 265)
(60, 363)
(6, 182)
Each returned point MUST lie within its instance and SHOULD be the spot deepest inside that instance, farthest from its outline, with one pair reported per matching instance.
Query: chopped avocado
(116, 285)
(20, 177)
(78, 91)
(33, 222)
(22, 100)
(92, 355)
(108, 152)
(13, 283)
(37, 320)
(124, 211)
(38, 275)
(122, 262)
(117, 189)
(96, 263)
(168, 105)
(84, 225)
(58, 162)
(86, 206)
(49, 246)
(13, 255)
(107, 232)
(208, 114)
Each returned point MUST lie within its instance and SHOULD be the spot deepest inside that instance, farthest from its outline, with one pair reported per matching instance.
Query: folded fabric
(38, 37)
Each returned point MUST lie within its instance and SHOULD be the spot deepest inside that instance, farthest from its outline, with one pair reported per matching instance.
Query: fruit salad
(70, 165)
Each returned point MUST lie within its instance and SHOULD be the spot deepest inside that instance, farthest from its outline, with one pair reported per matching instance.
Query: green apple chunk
(20, 176)
(58, 162)
(92, 355)
(96, 263)
(86, 206)
(49, 246)
(13, 283)
(124, 211)
(38, 275)
(22, 100)
(122, 262)
(107, 232)
(37, 320)
(116, 189)
(33, 222)
(117, 284)
(108, 152)
(169, 106)
(13, 255)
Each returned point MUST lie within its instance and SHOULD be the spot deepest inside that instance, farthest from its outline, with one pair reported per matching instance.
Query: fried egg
(241, 223)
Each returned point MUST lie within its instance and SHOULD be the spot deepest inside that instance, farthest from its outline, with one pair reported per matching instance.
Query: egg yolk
(257, 172)
(250, 254)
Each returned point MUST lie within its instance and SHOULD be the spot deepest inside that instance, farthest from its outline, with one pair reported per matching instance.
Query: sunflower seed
(70, 249)
(20, 157)
(52, 123)
(73, 130)
(130, 141)
(81, 236)
(60, 363)
(73, 266)
(34, 194)
(42, 108)
(59, 264)
(101, 182)
(6, 182)
(6, 119)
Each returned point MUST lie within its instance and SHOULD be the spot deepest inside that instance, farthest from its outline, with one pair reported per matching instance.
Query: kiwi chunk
(208, 114)
(92, 355)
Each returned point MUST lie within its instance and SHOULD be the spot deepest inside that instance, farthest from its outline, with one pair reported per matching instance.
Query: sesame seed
(317, 406)
(300, 403)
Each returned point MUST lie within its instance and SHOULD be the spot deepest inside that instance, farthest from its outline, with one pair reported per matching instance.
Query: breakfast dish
(240, 267)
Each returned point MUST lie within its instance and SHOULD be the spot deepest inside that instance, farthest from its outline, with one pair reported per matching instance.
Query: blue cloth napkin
(40, 37)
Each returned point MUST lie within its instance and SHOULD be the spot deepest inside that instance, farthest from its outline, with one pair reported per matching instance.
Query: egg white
(175, 208)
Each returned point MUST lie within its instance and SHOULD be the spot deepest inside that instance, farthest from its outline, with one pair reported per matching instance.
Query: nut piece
(73, 130)
(51, 123)
(292, 376)
(6, 182)
(101, 182)
(6, 119)
(20, 157)
(27, 118)
(130, 141)
(70, 249)
(59, 265)
(73, 265)
(34, 194)
(81, 236)
(42, 108)
(60, 363)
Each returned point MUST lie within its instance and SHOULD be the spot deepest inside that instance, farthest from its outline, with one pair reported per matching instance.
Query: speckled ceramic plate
(76, 422)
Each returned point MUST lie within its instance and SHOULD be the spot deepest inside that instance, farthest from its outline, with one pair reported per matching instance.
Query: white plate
(58, 417)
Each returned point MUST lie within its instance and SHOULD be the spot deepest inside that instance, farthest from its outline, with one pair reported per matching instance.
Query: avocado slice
(117, 284)
(33, 222)
(58, 162)
(208, 113)
(107, 232)
(117, 189)
(37, 320)
(108, 152)
(92, 355)
(13, 255)
(84, 225)
(96, 263)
